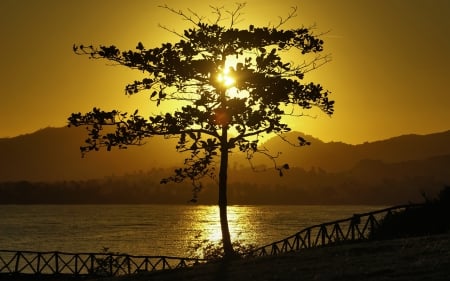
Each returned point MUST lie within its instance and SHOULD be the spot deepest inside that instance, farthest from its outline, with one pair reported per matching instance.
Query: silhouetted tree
(233, 86)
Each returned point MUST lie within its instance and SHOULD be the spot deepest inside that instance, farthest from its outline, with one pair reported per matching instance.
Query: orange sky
(389, 74)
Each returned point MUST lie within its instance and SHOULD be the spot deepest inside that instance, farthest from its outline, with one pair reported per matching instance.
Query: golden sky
(389, 74)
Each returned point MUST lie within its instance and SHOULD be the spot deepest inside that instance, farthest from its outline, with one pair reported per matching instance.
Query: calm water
(152, 229)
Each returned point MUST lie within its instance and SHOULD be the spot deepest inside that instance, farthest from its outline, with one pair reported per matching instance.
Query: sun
(225, 78)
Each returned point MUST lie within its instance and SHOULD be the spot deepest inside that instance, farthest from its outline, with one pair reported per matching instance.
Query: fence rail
(78, 264)
(357, 227)
(354, 228)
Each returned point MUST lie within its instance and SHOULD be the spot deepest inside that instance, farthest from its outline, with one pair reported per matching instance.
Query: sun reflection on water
(206, 220)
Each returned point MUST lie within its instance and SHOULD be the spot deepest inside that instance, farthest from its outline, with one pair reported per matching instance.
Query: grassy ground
(422, 258)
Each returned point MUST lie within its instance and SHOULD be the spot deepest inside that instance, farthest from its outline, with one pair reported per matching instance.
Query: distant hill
(338, 156)
(52, 154)
(46, 167)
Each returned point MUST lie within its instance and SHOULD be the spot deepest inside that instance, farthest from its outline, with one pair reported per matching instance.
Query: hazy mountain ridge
(53, 154)
(323, 173)
(339, 156)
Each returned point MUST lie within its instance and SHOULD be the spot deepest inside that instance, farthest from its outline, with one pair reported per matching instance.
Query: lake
(169, 230)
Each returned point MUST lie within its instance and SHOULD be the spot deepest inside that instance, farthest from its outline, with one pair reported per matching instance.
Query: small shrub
(213, 251)
(104, 265)
(431, 218)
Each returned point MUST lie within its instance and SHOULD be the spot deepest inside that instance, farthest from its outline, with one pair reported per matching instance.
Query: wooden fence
(357, 227)
(79, 264)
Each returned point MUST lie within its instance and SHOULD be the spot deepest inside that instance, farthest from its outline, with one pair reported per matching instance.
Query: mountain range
(52, 154)
(47, 167)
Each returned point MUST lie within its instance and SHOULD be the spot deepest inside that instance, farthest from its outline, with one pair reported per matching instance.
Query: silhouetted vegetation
(431, 218)
(297, 186)
(112, 261)
(213, 251)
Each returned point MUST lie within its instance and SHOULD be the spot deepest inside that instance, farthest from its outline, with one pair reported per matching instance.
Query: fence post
(308, 233)
(76, 265)
(373, 222)
(92, 269)
(356, 219)
(38, 267)
(16, 267)
(129, 264)
(56, 255)
(111, 260)
(146, 263)
(323, 229)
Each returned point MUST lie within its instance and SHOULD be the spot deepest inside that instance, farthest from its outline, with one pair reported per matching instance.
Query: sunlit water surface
(169, 230)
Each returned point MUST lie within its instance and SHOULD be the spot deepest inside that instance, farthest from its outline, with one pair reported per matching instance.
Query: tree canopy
(233, 86)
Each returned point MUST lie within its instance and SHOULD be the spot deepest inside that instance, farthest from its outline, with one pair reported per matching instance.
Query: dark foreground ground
(422, 258)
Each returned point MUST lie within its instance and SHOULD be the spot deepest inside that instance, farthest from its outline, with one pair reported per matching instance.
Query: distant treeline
(371, 182)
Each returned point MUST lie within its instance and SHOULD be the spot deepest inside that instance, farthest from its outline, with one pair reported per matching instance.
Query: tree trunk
(226, 239)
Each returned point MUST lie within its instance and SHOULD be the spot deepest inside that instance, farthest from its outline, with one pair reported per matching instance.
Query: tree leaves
(303, 142)
(186, 71)
(140, 46)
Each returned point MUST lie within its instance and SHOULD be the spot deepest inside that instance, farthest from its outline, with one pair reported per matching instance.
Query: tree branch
(182, 14)
(172, 31)
(235, 14)
(290, 16)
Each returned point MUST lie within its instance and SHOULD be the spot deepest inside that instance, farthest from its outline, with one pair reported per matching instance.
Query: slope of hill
(53, 154)
(338, 156)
